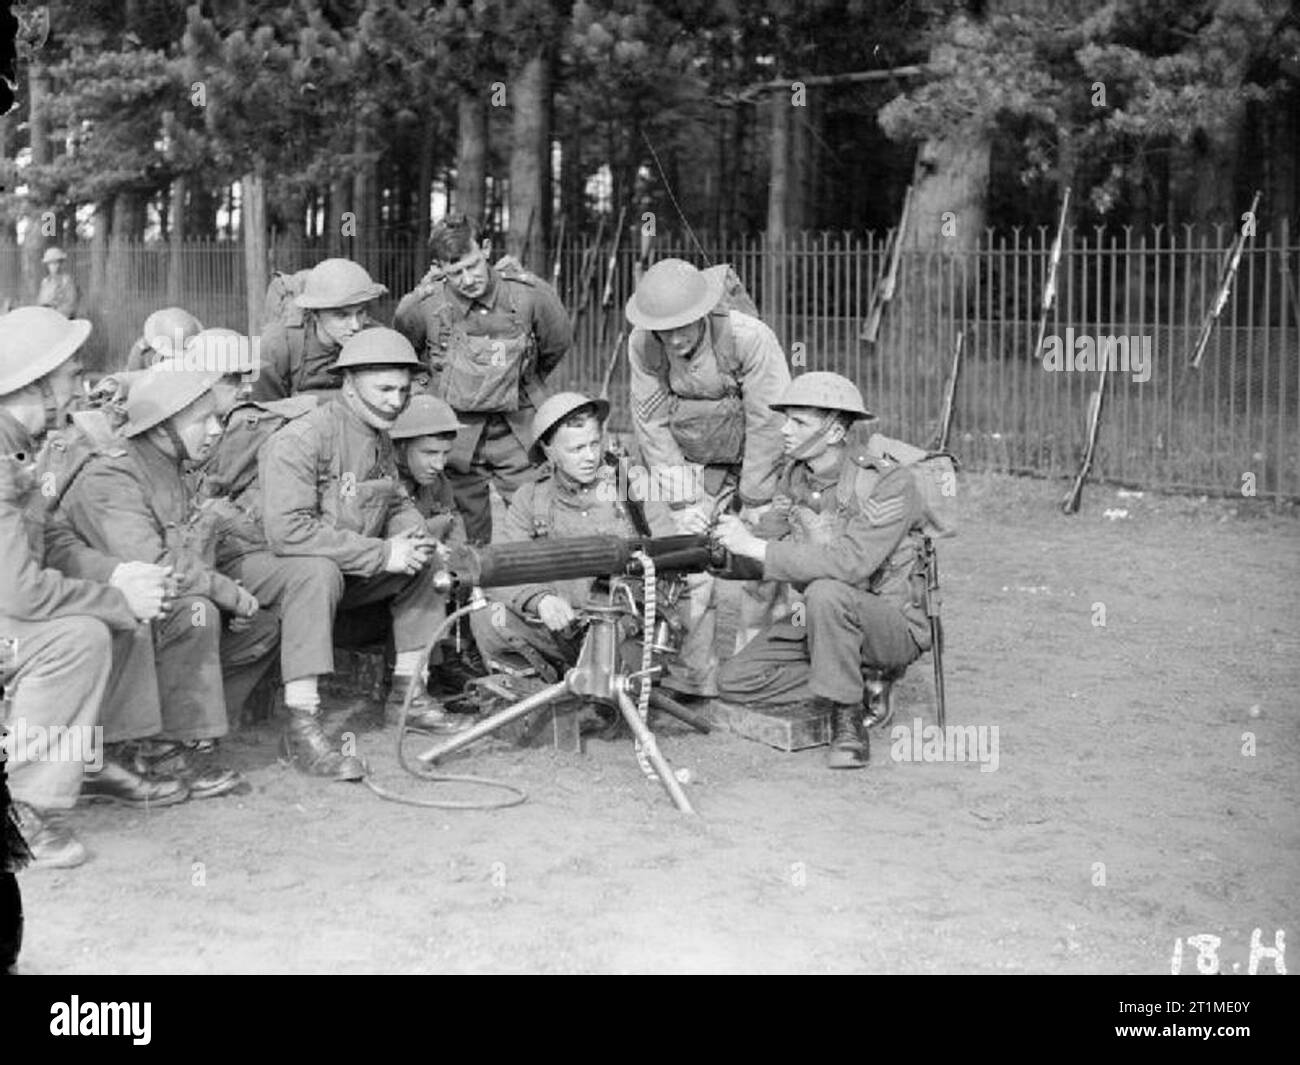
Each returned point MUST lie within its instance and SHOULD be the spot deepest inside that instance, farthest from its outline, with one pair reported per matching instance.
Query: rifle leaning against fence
(590, 259)
(607, 293)
(1070, 505)
(884, 290)
(1226, 275)
(949, 396)
(1049, 287)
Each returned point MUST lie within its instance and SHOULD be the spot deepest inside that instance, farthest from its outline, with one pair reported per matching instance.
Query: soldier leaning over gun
(703, 380)
(214, 644)
(577, 494)
(491, 336)
(69, 637)
(842, 530)
(297, 354)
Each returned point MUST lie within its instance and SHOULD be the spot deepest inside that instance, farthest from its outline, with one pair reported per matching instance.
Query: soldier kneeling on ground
(843, 530)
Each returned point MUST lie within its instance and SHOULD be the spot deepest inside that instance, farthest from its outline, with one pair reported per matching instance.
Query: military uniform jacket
(857, 526)
(557, 507)
(31, 588)
(437, 505)
(294, 358)
(667, 390)
(58, 293)
(330, 488)
(134, 504)
(519, 326)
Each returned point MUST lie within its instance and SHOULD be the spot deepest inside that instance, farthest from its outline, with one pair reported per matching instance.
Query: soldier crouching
(843, 529)
(577, 494)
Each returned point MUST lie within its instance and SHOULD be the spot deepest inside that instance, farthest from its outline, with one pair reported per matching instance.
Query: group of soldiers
(195, 525)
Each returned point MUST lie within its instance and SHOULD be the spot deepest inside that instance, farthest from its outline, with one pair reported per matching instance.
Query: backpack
(232, 467)
(92, 433)
(279, 306)
(933, 472)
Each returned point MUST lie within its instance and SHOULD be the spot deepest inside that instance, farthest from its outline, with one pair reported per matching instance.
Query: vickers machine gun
(597, 675)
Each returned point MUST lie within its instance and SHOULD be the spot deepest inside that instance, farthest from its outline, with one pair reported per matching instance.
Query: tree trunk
(530, 170)
(99, 251)
(253, 217)
(34, 240)
(778, 190)
(471, 155)
(339, 203)
(950, 194)
(176, 252)
(201, 212)
(365, 191)
(423, 184)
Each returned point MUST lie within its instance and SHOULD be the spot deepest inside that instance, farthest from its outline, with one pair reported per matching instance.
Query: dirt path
(1123, 813)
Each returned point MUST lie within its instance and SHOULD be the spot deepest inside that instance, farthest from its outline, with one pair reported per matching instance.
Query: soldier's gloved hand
(693, 519)
(408, 551)
(556, 613)
(145, 588)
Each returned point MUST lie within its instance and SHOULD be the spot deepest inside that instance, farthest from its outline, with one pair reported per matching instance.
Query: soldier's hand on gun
(556, 613)
(732, 534)
(409, 551)
(694, 519)
(145, 587)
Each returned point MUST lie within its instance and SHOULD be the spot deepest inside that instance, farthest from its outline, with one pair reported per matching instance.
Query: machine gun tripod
(598, 674)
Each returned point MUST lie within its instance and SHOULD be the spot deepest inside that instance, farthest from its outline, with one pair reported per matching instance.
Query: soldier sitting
(209, 651)
(164, 336)
(843, 530)
(577, 494)
(330, 494)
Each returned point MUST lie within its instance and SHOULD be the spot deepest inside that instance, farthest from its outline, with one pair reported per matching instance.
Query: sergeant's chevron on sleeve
(652, 402)
(885, 511)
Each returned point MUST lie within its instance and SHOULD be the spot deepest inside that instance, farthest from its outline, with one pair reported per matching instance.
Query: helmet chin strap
(822, 431)
(53, 422)
(385, 420)
(178, 444)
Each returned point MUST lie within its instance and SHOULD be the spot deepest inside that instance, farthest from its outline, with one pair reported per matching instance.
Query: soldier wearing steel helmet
(297, 355)
(164, 336)
(331, 493)
(58, 290)
(577, 494)
(214, 644)
(424, 434)
(703, 376)
(65, 634)
(491, 335)
(842, 531)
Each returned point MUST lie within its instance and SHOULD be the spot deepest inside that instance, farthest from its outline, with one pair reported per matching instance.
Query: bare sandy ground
(1137, 800)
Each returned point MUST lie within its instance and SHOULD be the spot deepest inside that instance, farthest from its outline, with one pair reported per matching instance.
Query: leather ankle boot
(309, 749)
(425, 712)
(849, 745)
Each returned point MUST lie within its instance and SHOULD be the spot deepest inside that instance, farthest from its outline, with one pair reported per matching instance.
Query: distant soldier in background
(298, 349)
(490, 336)
(58, 290)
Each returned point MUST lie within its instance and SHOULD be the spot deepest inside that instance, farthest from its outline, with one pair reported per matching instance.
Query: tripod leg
(491, 724)
(651, 748)
(660, 701)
